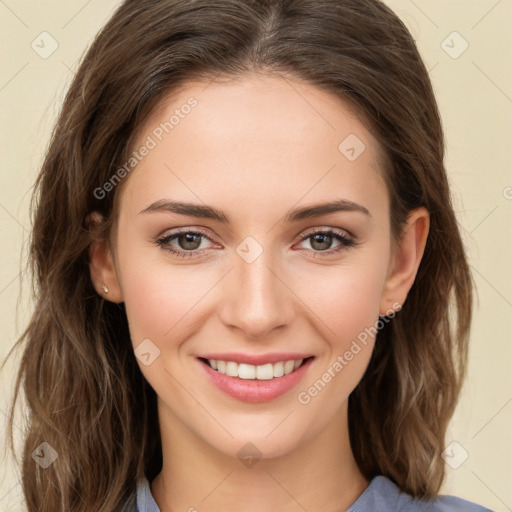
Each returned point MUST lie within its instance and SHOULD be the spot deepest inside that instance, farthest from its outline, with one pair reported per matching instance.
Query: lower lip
(254, 390)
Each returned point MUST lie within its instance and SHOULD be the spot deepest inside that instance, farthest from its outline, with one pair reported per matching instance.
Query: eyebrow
(209, 212)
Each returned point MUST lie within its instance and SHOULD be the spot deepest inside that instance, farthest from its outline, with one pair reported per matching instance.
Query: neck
(320, 474)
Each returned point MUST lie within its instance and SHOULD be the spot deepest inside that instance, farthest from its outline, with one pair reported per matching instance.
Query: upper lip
(256, 359)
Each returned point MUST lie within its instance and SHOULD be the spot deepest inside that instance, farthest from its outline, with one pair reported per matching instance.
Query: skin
(256, 148)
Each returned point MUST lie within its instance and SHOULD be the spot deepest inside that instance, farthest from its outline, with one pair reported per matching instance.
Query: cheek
(159, 297)
(162, 298)
(357, 303)
(347, 311)
(345, 299)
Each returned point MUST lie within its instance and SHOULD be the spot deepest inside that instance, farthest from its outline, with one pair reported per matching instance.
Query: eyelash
(345, 242)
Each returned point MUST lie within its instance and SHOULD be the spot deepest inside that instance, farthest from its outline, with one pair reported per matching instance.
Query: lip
(256, 359)
(254, 390)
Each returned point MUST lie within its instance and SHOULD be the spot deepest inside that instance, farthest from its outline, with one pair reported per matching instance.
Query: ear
(101, 262)
(405, 261)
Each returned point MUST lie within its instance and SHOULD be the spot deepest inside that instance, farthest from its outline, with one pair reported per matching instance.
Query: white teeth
(231, 369)
(288, 366)
(265, 372)
(249, 371)
(278, 369)
(246, 371)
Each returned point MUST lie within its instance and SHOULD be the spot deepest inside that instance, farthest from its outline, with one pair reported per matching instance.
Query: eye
(187, 243)
(322, 240)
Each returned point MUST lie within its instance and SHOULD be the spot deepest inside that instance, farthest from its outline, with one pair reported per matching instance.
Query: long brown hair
(85, 394)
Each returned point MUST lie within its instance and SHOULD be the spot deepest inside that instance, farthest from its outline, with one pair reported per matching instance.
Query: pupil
(189, 241)
(322, 239)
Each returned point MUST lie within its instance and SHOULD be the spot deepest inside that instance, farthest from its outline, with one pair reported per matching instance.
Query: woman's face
(258, 282)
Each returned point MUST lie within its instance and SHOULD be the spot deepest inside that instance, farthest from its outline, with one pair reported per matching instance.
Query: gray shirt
(382, 495)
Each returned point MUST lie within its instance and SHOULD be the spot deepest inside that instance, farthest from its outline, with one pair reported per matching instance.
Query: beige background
(474, 91)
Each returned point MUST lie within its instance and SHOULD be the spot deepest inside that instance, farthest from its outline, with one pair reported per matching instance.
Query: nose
(256, 299)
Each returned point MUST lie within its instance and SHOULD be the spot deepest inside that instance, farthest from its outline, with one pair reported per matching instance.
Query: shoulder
(144, 499)
(383, 495)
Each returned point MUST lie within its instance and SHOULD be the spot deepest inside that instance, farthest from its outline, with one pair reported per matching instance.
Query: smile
(255, 383)
(248, 371)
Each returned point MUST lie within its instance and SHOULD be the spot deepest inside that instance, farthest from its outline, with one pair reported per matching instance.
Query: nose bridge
(257, 300)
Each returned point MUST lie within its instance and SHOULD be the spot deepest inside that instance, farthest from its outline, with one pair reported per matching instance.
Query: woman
(252, 290)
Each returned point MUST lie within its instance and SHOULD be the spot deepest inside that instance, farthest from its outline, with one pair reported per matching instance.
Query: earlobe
(101, 263)
(405, 260)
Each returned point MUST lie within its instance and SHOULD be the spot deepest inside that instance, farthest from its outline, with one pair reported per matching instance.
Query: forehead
(256, 138)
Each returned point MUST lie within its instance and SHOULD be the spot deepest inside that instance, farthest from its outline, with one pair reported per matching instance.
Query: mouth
(268, 371)
(255, 383)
